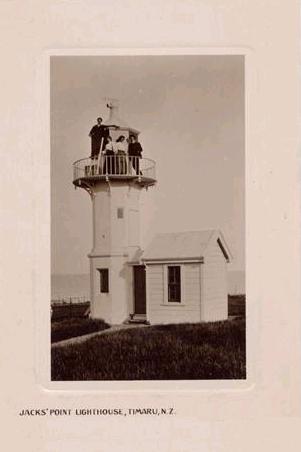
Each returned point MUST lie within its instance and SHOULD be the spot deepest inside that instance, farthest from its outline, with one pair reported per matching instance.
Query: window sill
(172, 303)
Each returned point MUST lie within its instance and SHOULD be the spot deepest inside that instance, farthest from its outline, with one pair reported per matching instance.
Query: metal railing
(69, 307)
(61, 300)
(114, 165)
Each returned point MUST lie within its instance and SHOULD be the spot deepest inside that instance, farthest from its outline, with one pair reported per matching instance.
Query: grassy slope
(165, 352)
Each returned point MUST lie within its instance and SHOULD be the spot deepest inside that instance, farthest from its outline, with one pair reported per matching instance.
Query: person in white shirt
(109, 157)
(121, 155)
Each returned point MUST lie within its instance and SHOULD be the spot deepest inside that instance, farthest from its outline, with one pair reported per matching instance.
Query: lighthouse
(114, 181)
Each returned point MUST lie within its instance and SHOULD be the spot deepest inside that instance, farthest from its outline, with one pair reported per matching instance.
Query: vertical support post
(99, 159)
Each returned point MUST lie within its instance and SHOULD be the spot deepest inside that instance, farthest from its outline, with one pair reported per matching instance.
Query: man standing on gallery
(99, 134)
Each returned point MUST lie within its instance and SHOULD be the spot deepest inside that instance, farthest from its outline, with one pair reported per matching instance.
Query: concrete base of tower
(111, 283)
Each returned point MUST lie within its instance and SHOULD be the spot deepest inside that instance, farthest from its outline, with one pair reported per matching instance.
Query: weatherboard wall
(214, 305)
(159, 310)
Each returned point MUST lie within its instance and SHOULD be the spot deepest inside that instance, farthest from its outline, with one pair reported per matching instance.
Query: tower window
(120, 212)
(174, 283)
(104, 280)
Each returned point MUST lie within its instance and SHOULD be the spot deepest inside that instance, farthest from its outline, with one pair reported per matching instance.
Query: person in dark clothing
(135, 153)
(98, 134)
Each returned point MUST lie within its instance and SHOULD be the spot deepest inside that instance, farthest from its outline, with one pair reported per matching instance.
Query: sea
(70, 285)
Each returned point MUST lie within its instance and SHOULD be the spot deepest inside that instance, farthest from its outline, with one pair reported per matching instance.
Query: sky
(190, 112)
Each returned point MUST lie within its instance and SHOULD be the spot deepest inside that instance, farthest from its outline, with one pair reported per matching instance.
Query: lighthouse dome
(114, 119)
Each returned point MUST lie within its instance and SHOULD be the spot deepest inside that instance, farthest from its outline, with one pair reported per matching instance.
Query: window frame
(166, 301)
(174, 284)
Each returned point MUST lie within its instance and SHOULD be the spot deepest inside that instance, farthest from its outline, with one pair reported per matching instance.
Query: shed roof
(183, 245)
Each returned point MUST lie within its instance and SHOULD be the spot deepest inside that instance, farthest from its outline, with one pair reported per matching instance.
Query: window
(120, 212)
(174, 283)
(104, 280)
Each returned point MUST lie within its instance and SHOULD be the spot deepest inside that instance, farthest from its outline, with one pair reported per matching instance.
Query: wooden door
(139, 289)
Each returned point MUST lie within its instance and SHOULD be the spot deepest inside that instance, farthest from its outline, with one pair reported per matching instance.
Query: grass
(72, 327)
(166, 352)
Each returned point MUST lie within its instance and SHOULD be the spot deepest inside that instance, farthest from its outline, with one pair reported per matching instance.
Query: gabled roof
(184, 245)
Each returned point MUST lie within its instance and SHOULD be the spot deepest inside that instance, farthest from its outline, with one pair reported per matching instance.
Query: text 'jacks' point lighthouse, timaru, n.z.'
(114, 177)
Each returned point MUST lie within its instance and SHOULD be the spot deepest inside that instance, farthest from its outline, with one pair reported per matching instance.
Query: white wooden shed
(186, 277)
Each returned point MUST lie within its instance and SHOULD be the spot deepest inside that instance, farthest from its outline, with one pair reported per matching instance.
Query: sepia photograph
(147, 217)
(151, 226)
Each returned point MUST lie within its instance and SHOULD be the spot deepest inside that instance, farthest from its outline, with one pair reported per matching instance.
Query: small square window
(120, 212)
(174, 284)
(104, 280)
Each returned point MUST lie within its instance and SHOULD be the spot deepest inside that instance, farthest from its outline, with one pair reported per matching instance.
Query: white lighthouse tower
(114, 183)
